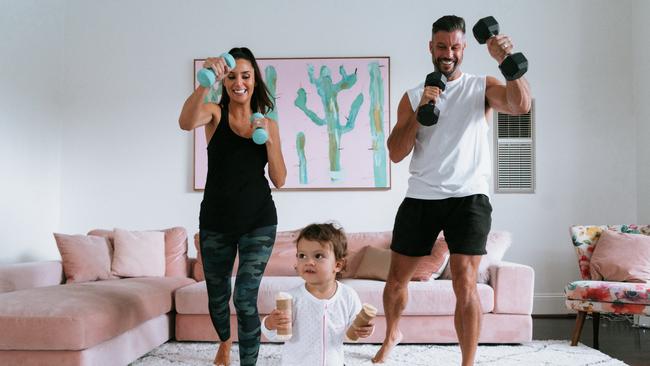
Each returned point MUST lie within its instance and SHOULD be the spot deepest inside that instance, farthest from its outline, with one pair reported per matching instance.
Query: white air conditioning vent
(514, 126)
(515, 153)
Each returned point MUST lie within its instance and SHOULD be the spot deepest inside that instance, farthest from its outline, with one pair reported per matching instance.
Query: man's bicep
(404, 110)
(495, 95)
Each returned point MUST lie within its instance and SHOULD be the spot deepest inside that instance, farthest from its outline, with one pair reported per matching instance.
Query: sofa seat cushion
(193, 299)
(605, 291)
(424, 298)
(80, 315)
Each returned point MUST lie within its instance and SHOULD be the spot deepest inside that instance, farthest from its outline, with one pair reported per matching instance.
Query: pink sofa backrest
(283, 257)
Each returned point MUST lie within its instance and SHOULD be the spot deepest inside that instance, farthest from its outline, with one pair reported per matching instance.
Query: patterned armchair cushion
(585, 237)
(607, 307)
(608, 297)
(604, 291)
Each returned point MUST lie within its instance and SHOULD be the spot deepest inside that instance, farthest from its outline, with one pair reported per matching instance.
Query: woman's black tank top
(237, 196)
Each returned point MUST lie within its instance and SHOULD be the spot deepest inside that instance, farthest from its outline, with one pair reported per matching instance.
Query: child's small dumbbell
(363, 318)
(260, 136)
(207, 78)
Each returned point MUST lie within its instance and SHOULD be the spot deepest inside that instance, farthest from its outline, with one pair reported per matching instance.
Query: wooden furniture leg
(580, 321)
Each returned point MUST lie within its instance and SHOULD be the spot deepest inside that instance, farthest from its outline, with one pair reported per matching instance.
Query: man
(448, 188)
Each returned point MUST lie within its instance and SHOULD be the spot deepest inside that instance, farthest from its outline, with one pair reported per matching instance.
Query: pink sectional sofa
(113, 322)
(46, 321)
(507, 299)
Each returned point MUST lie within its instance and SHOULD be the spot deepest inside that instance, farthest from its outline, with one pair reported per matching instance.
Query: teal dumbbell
(260, 136)
(207, 77)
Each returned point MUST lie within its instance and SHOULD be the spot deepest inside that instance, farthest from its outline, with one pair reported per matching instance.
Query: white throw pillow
(138, 253)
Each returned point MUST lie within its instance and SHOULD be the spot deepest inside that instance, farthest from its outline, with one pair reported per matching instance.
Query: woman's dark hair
(448, 23)
(262, 100)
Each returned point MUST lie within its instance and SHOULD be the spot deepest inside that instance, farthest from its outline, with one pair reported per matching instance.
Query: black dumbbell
(516, 64)
(428, 114)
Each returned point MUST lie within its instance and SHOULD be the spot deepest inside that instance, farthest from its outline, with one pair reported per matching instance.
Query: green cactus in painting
(302, 161)
(376, 112)
(328, 92)
(271, 81)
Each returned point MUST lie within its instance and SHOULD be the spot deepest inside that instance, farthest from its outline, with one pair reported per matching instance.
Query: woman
(237, 212)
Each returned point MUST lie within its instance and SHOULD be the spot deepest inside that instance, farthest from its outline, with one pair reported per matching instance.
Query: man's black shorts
(465, 221)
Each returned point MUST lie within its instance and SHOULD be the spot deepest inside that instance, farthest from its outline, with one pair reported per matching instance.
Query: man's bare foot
(387, 346)
(223, 354)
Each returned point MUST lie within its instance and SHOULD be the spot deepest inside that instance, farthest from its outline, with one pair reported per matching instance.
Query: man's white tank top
(452, 157)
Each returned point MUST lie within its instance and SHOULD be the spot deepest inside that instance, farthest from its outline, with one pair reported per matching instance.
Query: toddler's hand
(365, 331)
(277, 320)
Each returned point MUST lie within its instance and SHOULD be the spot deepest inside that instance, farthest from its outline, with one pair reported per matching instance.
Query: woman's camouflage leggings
(218, 252)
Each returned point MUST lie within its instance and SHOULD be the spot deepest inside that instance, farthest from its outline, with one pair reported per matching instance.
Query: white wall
(31, 65)
(128, 69)
(641, 71)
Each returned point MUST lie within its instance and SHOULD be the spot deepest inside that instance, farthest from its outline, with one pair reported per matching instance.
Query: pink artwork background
(355, 146)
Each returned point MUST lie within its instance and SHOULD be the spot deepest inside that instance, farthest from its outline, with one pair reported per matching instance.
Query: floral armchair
(596, 297)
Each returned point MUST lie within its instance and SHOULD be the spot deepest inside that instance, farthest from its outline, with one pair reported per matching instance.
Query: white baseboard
(551, 303)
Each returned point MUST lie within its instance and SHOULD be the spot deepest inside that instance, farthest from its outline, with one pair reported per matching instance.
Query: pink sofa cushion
(84, 257)
(176, 261)
(425, 298)
(80, 315)
(176, 264)
(621, 257)
(375, 264)
(431, 266)
(138, 253)
(356, 245)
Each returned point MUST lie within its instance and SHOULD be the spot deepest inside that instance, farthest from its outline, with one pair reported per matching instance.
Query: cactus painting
(328, 92)
(333, 117)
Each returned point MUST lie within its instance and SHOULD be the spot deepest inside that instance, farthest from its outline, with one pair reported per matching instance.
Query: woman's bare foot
(387, 346)
(223, 354)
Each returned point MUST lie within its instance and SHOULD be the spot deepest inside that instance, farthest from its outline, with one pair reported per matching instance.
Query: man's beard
(437, 62)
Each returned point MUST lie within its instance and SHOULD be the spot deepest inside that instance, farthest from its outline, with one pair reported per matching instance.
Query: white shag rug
(547, 353)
